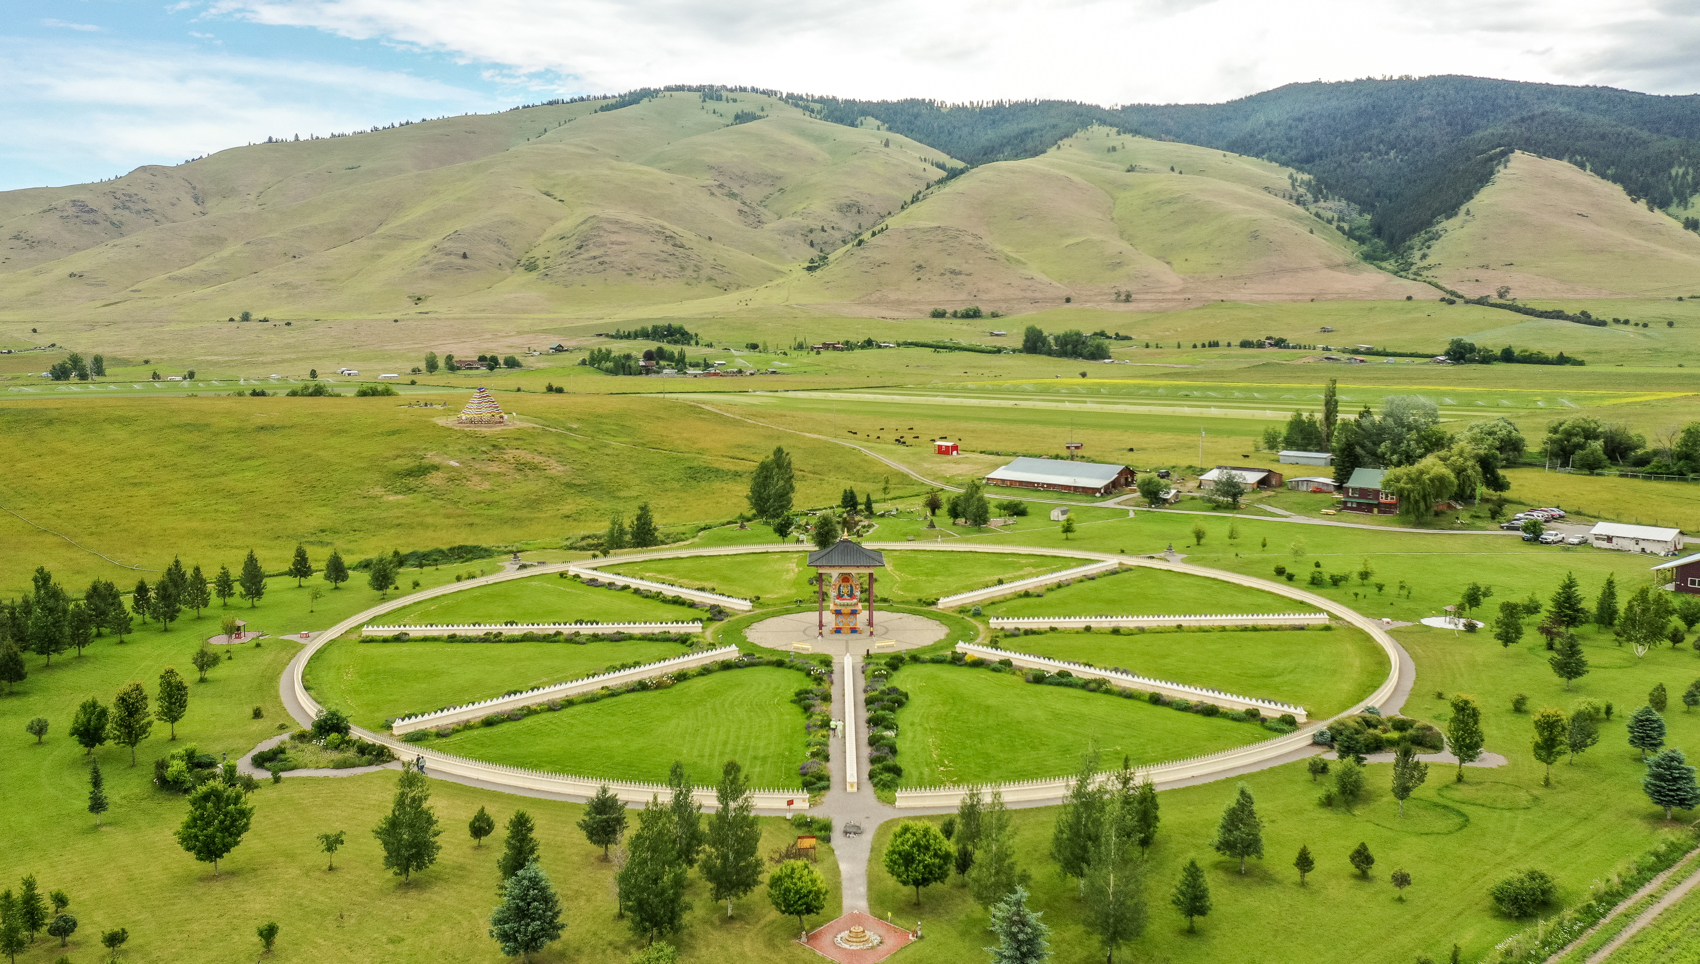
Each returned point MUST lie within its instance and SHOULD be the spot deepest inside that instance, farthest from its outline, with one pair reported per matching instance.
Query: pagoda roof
(845, 553)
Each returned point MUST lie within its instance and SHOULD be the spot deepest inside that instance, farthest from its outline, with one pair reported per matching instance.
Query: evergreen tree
(529, 916)
(1508, 625)
(219, 814)
(1192, 894)
(252, 580)
(1646, 730)
(79, 627)
(336, 573)
(300, 567)
(520, 847)
(615, 538)
(1605, 608)
(604, 821)
(1305, 863)
(1568, 661)
(1022, 936)
(88, 727)
(1145, 814)
(1567, 608)
(166, 605)
(644, 534)
(847, 500)
(994, 873)
(652, 883)
(131, 719)
(224, 586)
(1551, 730)
(1464, 732)
(1658, 698)
(480, 826)
(1362, 860)
(918, 855)
(12, 669)
(1669, 782)
(1078, 821)
(32, 909)
(177, 580)
(120, 624)
(12, 939)
(796, 889)
(1583, 732)
(687, 815)
(731, 859)
(1240, 834)
(1330, 413)
(1691, 696)
(408, 833)
(141, 600)
(173, 698)
(101, 598)
(1408, 774)
(868, 505)
(199, 595)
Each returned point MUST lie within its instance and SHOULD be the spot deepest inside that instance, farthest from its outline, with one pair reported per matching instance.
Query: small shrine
(838, 570)
(482, 409)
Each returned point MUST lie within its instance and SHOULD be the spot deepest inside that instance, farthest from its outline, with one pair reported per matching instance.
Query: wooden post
(870, 603)
(820, 604)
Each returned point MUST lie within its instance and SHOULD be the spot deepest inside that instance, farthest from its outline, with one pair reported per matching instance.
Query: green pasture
(1325, 671)
(744, 715)
(539, 599)
(374, 681)
(1673, 937)
(1144, 592)
(964, 726)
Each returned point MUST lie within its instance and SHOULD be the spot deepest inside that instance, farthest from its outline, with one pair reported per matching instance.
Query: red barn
(943, 447)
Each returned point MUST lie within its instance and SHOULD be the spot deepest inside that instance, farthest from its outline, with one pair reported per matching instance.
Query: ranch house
(1684, 574)
(1363, 493)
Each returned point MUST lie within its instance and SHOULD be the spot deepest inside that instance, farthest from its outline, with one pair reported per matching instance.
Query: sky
(95, 88)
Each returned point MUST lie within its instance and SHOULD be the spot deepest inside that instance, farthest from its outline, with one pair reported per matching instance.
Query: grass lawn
(1325, 671)
(376, 681)
(975, 726)
(774, 577)
(1671, 938)
(540, 599)
(744, 715)
(1138, 592)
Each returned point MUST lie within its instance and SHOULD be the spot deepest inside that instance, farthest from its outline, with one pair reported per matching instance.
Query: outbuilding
(1057, 475)
(1654, 539)
(1684, 574)
(945, 447)
(1312, 483)
(1252, 478)
(1300, 457)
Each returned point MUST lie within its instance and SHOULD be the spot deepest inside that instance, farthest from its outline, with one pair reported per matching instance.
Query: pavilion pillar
(820, 604)
(870, 603)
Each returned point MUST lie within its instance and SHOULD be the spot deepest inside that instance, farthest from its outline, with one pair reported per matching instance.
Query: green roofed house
(1363, 493)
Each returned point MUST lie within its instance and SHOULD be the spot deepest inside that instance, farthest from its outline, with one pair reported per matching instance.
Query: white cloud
(1094, 50)
(69, 26)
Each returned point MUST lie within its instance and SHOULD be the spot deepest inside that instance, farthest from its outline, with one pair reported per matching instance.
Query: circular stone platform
(897, 631)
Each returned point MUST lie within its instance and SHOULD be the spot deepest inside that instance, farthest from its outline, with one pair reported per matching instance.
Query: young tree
(1349, 778)
(267, 933)
(37, 728)
(13, 941)
(113, 939)
(1145, 814)
(336, 572)
(1691, 696)
(932, 502)
(203, 660)
(1408, 774)
(62, 926)
(772, 486)
(1114, 884)
(79, 627)
(969, 811)
(1305, 863)
(993, 873)
(604, 821)
(252, 580)
(1192, 894)
(847, 500)
(529, 916)
(88, 727)
(1401, 880)
(1022, 936)
(1669, 782)
(1568, 661)
(330, 843)
(431, 363)
(918, 855)
(644, 534)
(687, 815)
(797, 890)
(173, 698)
(141, 600)
(480, 826)
(1078, 821)
(1240, 834)
(199, 594)
(1362, 860)
(1646, 730)
(1198, 533)
(1567, 605)
(1067, 526)
(408, 833)
(219, 814)
(382, 576)
(165, 606)
(652, 883)
(1464, 732)
(731, 859)
(826, 530)
(868, 505)
(1508, 625)
(97, 792)
(224, 585)
(1228, 490)
(1583, 732)
(1658, 698)
(1551, 729)
(520, 847)
(32, 909)
(1605, 607)
(300, 567)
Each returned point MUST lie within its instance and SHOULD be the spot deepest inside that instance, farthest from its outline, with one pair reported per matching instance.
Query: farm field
(1671, 937)
(744, 715)
(967, 726)
(539, 599)
(377, 681)
(1324, 671)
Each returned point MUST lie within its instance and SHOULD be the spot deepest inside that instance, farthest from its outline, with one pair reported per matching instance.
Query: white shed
(1652, 539)
(1297, 457)
(1059, 513)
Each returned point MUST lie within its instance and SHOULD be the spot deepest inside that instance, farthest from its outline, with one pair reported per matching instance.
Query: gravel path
(1645, 917)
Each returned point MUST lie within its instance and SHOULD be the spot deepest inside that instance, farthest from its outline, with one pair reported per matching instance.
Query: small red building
(944, 447)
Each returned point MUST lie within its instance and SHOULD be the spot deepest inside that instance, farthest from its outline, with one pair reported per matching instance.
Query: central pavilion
(841, 566)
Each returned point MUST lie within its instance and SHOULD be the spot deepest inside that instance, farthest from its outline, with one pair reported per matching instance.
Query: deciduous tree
(652, 883)
(1551, 730)
(219, 815)
(731, 859)
(918, 855)
(408, 833)
(37, 728)
(687, 815)
(1409, 773)
(772, 486)
(203, 660)
(797, 889)
(1305, 863)
(336, 572)
(330, 843)
(12, 669)
(173, 698)
(89, 727)
(1114, 884)
(1464, 732)
(994, 873)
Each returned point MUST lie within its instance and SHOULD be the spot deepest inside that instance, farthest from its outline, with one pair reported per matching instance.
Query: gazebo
(482, 409)
(840, 564)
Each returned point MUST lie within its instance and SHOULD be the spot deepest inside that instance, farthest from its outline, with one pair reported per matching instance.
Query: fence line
(1222, 619)
(478, 629)
(700, 595)
(992, 592)
(469, 711)
(1133, 680)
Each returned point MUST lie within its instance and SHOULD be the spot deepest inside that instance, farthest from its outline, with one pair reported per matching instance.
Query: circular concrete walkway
(799, 632)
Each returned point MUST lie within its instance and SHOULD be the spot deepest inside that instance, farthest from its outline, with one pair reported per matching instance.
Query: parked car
(1511, 525)
(1519, 517)
(1529, 537)
(1551, 538)
(1556, 513)
(1576, 540)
